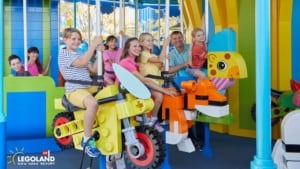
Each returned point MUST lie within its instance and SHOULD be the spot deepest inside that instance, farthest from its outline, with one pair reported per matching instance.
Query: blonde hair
(68, 32)
(195, 31)
(144, 35)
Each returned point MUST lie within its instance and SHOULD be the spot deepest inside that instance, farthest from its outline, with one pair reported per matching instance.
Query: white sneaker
(158, 127)
(118, 159)
(150, 122)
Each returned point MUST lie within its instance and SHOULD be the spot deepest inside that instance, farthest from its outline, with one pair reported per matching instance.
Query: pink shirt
(33, 69)
(110, 57)
(129, 64)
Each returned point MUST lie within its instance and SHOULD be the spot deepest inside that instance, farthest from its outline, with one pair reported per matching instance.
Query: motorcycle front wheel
(154, 148)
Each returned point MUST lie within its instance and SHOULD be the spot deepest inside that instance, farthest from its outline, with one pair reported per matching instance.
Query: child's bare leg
(199, 74)
(89, 117)
(158, 97)
(109, 81)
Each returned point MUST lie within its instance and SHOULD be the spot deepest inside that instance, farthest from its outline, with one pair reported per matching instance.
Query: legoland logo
(20, 158)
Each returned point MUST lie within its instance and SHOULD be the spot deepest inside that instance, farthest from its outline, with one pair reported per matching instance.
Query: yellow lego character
(226, 65)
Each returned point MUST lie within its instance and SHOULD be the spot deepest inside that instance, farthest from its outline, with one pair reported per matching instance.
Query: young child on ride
(74, 66)
(128, 60)
(111, 55)
(35, 66)
(198, 54)
(151, 64)
(15, 64)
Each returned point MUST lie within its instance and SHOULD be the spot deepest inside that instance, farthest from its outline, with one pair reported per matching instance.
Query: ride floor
(229, 152)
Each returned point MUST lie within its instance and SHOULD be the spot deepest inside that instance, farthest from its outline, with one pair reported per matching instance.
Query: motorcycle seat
(68, 105)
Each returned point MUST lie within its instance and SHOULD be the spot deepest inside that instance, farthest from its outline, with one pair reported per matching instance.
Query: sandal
(120, 162)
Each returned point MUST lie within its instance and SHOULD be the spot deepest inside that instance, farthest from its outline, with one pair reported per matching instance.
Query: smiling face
(15, 64)
(72, 37)
(112, 44)
(32, 57)
(134, 48)
(177, 40)
(73, 41)
(147, 42)
(199, 36)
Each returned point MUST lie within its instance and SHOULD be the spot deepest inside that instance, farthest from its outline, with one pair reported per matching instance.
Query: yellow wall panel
(219, 14)
(274, 44)
(232, 14)
(284, 44)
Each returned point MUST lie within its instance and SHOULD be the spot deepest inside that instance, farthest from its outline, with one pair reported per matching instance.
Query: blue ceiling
(107, 6)
(127, 1)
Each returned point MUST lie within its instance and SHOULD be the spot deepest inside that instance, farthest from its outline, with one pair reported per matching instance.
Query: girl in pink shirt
(110, 55)
(128, 60)
(35, 67)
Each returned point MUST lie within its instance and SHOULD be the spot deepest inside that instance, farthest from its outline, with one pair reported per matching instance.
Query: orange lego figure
(181, 113)
(200, 96)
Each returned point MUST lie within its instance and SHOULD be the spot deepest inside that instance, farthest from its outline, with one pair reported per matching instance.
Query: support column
(262, 159)
(2, 115)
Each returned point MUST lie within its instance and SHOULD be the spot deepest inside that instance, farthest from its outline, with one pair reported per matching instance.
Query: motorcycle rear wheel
(59, 119)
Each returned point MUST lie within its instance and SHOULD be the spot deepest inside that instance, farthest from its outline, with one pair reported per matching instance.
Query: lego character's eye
(222, 65)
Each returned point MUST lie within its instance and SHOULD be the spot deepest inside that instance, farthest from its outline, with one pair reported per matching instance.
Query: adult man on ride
(179, 61)
(179, 55)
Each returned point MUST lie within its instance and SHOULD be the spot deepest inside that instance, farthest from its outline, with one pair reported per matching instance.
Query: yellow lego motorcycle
(115, 129)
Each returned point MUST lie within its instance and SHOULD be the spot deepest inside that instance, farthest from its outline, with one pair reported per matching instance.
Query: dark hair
(126, 47)
(176, 33)
(12, 57)
(33, 50)
(37, 61)
(108, 39)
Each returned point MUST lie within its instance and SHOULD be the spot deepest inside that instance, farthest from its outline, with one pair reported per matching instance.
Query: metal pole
(181, 15)
(136, 22)
(206, 20)
(25, 34)
(2, 115)
(74, 8)
(98, 32)
(121, 21)
(89, 20)
(158, 23)
(262, 159)
(167, 16)
(115, 17)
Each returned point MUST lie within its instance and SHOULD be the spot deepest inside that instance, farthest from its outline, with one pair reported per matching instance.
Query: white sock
(153, 118)
(85, 139)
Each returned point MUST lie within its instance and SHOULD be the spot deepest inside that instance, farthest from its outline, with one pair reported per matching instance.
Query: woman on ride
(131, 51)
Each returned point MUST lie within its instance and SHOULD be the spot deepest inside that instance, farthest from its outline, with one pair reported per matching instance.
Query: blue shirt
(177, 58)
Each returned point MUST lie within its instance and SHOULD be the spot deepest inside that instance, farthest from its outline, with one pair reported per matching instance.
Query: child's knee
(158, 97)
(91, 102)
